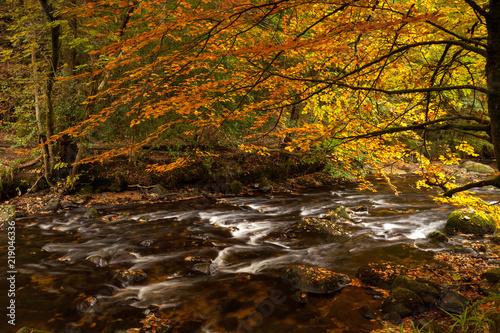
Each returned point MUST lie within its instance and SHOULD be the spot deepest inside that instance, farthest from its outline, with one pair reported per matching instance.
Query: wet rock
(300, 297)
(266, 186)
(367, 312)
(492, 275)
(469, 222)
(30, 330)
(147, 243)
(7, 213)
(154, 324)
(235, 187)
(326, 226)
(98, 261)
(86, 305)
(477, 167)
(381, 274)
(198, 259)
(404, 302)
(92, 213)
(452, 301)
(393, 317)
(342, 212)
(315, 279)
(124, 277)
(205, 268)
(52, 205)
(159, 190)
(426, 292)
(438, 237)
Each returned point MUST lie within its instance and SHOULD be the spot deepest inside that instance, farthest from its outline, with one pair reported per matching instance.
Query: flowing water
(250, 239)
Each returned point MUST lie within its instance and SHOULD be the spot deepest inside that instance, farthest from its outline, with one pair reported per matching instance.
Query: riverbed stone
(52, 205)
(315, 279)
(98, 261)
(126, 277)
(380, 274)
(342, 212)
(470, 222)
(7, 213)
(325, 226)
(437, 236)
(30, 330)
(425, 291)
(477, 167)
(404, 302)
(491, 275)
(452, 302)
(92, 213)
(207, 268)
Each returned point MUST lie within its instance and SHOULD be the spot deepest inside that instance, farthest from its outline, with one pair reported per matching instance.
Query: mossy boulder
(477, 167)
(438, 237)
(315, 279)
(469, 222)
(404, 302)
(235, 187)
(428, 293)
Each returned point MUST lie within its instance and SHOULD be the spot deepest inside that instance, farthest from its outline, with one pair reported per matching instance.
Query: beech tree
(359, 81)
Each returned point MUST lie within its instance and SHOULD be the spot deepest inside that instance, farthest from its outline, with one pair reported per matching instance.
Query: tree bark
(493, 73)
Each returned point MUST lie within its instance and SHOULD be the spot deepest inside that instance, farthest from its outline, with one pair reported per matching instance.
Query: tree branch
(495, 182)
(478, 9)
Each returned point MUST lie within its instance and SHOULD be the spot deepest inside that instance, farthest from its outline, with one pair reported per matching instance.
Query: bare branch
(495, 182)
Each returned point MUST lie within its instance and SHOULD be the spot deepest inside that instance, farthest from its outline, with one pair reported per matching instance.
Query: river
(249, 239)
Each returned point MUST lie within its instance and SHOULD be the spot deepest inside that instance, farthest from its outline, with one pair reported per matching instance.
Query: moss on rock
(469, 222)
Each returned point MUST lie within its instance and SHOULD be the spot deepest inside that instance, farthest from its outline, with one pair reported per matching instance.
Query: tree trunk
(55, 31)
(493, 74)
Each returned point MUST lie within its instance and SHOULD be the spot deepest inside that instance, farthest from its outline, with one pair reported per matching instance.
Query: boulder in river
(477, 167)
(470, 222)
(325, 226)
(315, 279)
(428, 293)
(126, 277)
(207, 268)
(404, 302)
(380, 274)
(92, 213)
(438, 237)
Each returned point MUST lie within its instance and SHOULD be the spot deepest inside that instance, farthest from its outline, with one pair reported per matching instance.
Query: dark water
(251, 239)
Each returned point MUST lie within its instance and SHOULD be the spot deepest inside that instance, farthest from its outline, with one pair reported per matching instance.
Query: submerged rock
(381, 274)
(315, 279)
(98, 261)
(469, 222)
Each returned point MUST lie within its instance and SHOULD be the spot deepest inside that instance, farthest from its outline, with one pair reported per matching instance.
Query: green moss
(437, 236)
(470, 222)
